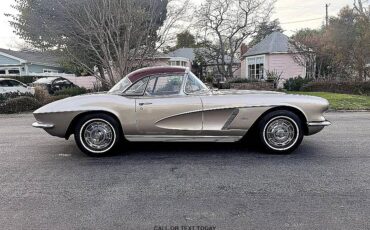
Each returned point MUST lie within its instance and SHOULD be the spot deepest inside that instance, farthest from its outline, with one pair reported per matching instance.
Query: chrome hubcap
(281, 133)
(98, 135)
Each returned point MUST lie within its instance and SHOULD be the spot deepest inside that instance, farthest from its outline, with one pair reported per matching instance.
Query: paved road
(46, 183)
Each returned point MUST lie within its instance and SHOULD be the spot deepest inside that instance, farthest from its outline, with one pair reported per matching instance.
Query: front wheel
(280, 132)
(97, 134)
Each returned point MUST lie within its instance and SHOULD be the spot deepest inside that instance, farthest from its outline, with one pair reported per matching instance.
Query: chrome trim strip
(181, 138)
(320, 123)
(42, 125)
(231, 119)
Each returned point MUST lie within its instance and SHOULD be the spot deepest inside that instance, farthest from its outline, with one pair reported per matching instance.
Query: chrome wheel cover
(281, 133)
(97, 135)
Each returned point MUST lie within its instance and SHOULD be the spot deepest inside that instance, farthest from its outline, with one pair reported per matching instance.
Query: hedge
(295, 84)
(73, 91)
(6, 96)
(19, 104)
(360, 88)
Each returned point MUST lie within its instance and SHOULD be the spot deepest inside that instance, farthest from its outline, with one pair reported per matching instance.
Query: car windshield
(121, 86)
(194, 85)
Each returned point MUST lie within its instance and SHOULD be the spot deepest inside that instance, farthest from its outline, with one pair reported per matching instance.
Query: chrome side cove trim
(42, 125)
(181, 138)
(231, 119)
(320, 123)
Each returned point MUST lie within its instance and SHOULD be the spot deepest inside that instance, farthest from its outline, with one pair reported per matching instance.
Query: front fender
(62, 113)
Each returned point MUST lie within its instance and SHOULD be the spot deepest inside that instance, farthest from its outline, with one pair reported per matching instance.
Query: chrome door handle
(147, 103)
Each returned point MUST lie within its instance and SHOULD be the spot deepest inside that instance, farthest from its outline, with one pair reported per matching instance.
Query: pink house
(272, 54)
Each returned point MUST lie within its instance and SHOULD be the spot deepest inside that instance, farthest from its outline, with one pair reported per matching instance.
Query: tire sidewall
(269, 118)
(102, 117)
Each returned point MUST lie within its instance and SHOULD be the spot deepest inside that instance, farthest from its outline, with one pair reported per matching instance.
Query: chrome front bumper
(315, 127)
(320, 123)
(42, 125)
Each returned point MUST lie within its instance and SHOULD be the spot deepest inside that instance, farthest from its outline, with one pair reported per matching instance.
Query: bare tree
(226, 24)
(116, 36)
(305, 47)
(360, 9)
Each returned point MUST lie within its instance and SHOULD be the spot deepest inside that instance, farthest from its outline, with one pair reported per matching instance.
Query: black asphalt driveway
(47, 183)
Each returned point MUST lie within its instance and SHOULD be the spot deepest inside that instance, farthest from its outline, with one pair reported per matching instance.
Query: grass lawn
(342, 101)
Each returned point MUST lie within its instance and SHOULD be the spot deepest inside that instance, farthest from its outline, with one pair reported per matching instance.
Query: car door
(15, 86)
(165, 109)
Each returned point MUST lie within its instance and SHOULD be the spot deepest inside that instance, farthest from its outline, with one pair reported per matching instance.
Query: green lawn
(342, 101)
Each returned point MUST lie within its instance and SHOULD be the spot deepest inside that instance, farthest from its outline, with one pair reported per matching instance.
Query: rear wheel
(97, 135)
(280, 132)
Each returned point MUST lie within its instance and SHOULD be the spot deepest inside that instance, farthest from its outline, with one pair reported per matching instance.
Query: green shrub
(16, 103)
(360, 88)
(19, 104)
(73, 91)
(209, 79)
(224, 85)
(6, 96)
(295, 84)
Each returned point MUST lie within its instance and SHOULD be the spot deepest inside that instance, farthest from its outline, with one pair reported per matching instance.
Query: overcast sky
(293, 15)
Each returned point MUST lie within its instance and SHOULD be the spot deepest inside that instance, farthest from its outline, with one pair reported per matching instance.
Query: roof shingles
(274, 43)
(34, 57)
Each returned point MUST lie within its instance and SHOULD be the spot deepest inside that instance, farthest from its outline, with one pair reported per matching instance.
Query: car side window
(164, 85)
(138, 88)
(14, 83)
(9, 83)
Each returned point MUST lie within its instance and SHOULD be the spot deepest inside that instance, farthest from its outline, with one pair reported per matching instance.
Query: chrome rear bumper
(42, 125)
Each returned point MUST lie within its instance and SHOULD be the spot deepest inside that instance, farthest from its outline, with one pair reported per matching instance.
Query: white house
(29, 63)
(182, 57)
(186, 57)
(271, 54)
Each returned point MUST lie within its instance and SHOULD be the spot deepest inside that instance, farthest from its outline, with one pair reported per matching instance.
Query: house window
(2, 72)
(177, 63)
(256, 68)
(13, 71)
(50, 71)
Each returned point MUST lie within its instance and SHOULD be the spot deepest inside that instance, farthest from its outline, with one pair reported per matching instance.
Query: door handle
(146, 103)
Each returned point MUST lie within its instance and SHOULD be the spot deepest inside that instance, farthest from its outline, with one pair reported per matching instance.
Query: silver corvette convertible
(170, 104)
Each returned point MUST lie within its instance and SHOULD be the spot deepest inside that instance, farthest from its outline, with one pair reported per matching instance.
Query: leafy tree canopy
(185, 39)
(264, 29)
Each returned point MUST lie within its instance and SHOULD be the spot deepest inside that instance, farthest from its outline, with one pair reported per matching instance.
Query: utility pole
(327, 14)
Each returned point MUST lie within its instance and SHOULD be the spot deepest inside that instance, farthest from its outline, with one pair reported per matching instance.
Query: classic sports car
(170, 104)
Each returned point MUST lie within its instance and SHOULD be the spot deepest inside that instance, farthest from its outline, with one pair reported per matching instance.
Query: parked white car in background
(8, 85)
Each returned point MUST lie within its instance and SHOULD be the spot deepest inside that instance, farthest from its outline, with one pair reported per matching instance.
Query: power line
(306, 20)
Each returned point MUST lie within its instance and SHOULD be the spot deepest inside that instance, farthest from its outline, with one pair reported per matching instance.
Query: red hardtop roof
(140, 73)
